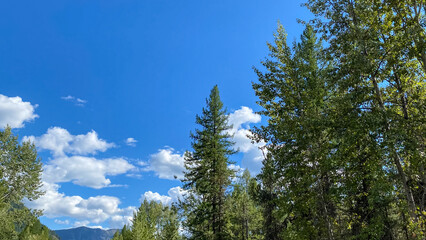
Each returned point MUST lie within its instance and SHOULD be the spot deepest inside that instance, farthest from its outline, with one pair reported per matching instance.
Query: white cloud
(14, 112)
(95, 210)
(59, 141)
(82, 101)
(80, 170)
(83, 223)
(77, 101)
(174, 194)
(85, 171)
(166, 164)
(65, 222)
(131, 142)
(154, 196)
(243, 116)
(241, 120)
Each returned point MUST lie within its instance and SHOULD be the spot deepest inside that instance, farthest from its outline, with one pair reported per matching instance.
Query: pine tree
(207, 176)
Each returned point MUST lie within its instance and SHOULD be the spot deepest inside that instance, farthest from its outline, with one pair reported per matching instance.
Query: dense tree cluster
(152, 221)
(346, 124)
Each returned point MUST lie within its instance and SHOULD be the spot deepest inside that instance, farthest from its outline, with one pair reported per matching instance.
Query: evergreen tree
(126, 233)
(117, 236)
(207, 176)
(296, 174)
(246, 220)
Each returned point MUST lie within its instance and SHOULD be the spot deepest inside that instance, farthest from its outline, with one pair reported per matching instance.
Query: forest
(345, 142)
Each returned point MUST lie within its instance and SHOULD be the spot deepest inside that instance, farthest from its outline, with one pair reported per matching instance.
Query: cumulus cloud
(131, 142)
(241, 120)
(174, 194)
(15, 112)
(59, 141)
(78, 169)
(77, 101)
(85, 171)
(166, 163)
(69, 164)
(243, 116)
(95, 210)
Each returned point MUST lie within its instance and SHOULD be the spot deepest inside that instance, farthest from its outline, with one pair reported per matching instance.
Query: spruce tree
(207, 174)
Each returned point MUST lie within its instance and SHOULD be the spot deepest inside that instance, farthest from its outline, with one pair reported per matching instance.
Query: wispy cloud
(77, 101)
(131, 142)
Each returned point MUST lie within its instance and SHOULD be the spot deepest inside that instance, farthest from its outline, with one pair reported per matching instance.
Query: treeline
(345, 137)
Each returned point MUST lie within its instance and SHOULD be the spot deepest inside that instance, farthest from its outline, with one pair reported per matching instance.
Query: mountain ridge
(85, 233)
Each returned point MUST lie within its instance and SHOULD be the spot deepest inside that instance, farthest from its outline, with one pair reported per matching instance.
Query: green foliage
(20, 177)
(152, 221)
(245, 221)
(37, 231)
(296, 175)
(207, 176)
(380, 51)
(19, 169)
(117, 236)
(126, 233)
(345, 154)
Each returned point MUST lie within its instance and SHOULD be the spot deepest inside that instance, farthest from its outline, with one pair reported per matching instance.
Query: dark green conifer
(207, 176)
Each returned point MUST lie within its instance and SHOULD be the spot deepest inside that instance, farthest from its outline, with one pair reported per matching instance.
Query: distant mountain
(85, 233)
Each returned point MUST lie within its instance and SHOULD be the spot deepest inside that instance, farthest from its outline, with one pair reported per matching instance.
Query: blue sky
(109, 90)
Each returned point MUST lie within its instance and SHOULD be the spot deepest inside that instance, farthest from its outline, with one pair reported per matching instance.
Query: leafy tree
(345, 154)
(379, 51)
(20, 169)
(20, 177)
(207, 176)
(296, 177)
